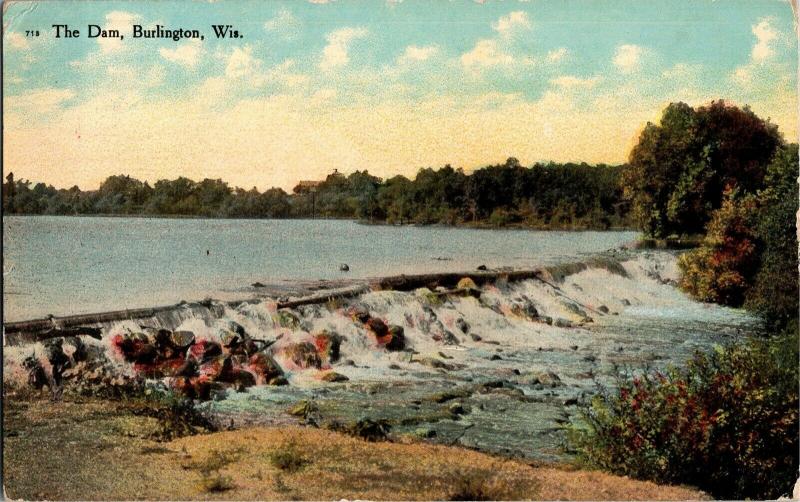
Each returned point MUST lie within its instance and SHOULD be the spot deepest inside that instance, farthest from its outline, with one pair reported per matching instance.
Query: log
(450, 279)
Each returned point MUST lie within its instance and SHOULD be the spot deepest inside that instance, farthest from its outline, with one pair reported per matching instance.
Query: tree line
(575, 196)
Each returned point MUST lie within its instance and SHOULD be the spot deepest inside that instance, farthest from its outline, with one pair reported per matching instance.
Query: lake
(72, 265)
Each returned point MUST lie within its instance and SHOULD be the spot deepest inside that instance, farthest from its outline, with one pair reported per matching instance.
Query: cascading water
(499, 372)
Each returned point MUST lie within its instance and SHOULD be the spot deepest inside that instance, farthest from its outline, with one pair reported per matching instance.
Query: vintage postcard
(400, 250)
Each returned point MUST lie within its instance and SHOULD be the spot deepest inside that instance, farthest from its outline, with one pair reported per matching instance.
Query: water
(638, 321)
(72, 265)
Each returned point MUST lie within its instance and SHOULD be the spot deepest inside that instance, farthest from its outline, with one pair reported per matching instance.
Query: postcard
(400, 250)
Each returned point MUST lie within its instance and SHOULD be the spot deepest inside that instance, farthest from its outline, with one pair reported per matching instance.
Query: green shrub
(727, 423)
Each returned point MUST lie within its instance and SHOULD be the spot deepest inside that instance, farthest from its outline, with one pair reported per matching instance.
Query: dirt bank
(91, 449)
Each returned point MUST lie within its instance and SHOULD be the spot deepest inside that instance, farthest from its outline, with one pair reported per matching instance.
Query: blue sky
(385, 86)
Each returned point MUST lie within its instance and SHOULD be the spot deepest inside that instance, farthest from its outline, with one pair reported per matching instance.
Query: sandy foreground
(91, 449)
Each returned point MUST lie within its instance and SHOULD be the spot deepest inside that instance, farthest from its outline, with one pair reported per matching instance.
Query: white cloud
(16, 41)
(628, 57)
(569, 81)
(765, 35)
(284, 21)
(508, 24)
(557, 55)
(241, 62)
(415, 53)
(335, 54)
(187, 54)
(486, 53)
(38, 100)
(116, 20)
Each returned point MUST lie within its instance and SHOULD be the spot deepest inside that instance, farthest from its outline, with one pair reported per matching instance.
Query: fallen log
(450, 279)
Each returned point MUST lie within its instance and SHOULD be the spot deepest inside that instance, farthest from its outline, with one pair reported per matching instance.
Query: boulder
(135, 348)
(182, 340)
(37, 376)
(377, 327)
(328, 345)
(475, 338)
(395, 339)
(302, 354)
(462, 325)
(332, 376)
(626, 302)
(603, 309)
(544, 378)
(264, 367)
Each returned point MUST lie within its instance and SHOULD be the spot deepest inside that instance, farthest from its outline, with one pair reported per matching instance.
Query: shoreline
(141, 460)
(465, 225)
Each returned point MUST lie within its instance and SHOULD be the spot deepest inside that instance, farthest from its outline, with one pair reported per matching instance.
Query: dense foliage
(727, 423)
(679, 170)
(542, 196)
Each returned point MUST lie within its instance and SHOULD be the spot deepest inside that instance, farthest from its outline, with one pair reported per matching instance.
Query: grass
(237, 465)
(289, 458)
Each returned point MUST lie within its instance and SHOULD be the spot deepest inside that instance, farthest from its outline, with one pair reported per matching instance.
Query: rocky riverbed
(500, 367)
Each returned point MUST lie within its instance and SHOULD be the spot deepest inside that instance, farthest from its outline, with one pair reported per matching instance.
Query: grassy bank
(91, 449)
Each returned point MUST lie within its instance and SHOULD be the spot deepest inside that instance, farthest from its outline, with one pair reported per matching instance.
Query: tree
(678, 171)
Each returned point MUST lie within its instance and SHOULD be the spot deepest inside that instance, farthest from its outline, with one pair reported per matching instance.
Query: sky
(387, 86)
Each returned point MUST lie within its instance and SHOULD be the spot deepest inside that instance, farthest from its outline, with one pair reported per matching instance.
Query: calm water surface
(69, 265)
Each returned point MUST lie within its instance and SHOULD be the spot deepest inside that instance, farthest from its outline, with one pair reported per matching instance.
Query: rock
(344, 267)
(575, 309)
(37, 377)
(562, 323)
(603, 309)
(475, 338)
(462, 325)
(287, 319)
(182, 340)
(544, 378)
(524, 307)
(446, 337)
(358, 312)
(457, 409)
(264, 367)
(205, 350)
(626, 302)
(425, 432)
(135, 348)
(378, 328)
(573, 347)
(395, 340)
(495, 357)
(482, 267)
(432, 362)
(279, 380)
(466, 283)
(368, 429)
(302, 354)
(328, 345)
(332, 376)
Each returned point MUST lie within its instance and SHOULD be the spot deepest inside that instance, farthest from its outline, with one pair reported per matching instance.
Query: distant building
(306, 186)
